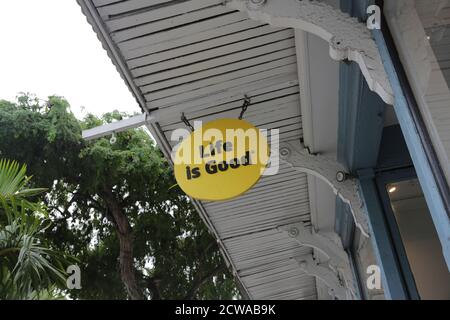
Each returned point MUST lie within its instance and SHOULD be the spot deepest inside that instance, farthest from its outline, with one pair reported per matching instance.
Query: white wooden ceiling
(201, 58)
(435, 16)
(262, 255)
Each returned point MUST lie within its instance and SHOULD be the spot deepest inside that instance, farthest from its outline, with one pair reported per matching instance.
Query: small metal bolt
(293, 232)
(338, 42)
(341, 176)
(255, 4)
(284, 152)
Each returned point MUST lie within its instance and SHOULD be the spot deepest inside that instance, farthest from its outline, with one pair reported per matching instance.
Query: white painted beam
(118, 126)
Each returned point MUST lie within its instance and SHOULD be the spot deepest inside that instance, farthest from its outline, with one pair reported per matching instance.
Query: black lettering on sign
(192, 174)
(195, 173)
(234, 164)
(212, 167)
(223, 166)
(217, 147)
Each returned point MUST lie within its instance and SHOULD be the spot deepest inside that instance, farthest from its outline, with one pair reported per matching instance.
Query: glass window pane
(420, 240)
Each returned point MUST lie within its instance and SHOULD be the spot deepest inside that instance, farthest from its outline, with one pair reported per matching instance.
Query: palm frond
(28, 268)
(12, 177)
(32, 265)
(13, 180)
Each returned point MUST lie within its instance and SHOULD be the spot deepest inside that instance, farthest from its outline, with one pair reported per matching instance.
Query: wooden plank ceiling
(201, 58)
(435, 17)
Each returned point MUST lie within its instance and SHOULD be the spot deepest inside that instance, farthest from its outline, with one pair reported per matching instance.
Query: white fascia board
(302, 51)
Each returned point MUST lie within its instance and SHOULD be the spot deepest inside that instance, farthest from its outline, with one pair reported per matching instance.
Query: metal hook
(244, 106)
(113, 139)
(186, 122)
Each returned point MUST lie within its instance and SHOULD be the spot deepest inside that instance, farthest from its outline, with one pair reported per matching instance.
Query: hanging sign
(221, 160)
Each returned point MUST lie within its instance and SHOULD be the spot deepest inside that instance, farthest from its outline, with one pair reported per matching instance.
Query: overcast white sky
(47, 47)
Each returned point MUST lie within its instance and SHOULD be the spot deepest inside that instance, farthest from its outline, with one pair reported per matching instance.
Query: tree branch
(153, 286)
(124, 232)
(200, 280)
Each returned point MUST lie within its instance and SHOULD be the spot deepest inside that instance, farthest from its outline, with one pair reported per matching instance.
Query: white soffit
(319, 91)
(200, 57)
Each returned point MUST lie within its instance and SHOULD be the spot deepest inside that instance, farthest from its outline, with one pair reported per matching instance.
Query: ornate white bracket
(338, 262)
(348, 38)
(313, 268)
(333, 173)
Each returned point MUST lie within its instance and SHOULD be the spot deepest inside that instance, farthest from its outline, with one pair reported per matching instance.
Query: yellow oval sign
(221, 160)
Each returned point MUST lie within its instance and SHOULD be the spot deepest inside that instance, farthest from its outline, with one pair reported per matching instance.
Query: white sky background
(47, 47)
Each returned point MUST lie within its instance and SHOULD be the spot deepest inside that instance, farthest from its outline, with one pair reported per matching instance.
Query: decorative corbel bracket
(333, 173)
(338, 260)
(311, 267)
(348, 38)
(305, 237)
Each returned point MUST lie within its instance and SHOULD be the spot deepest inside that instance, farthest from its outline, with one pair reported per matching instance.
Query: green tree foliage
(29, 268)
(113, 208)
